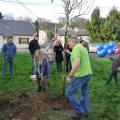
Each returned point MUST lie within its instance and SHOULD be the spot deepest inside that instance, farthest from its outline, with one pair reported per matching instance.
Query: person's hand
(6, 57)
(119, 69)
(68, 80)
(68, 51)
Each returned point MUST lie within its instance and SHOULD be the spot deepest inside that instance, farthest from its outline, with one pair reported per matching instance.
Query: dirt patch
(31, 106)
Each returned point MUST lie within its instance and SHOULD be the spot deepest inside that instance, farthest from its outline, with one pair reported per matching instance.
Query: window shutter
(20, 40)
(28, 40)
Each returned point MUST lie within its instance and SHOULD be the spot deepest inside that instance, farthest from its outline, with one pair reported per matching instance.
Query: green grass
(104, 100)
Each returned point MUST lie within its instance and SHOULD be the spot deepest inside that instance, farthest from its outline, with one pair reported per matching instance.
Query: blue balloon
(110, 51)
(112, 44)
(102, 53)
(106, 47)
(99, 47)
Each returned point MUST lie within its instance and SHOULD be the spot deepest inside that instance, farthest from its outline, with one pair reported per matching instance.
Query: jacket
(33, 45)
(116, 62)
(9, 50)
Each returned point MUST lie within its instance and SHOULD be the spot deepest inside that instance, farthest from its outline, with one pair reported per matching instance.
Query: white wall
(21, 46)
(16, 41)
(1, 41)
(42, 37)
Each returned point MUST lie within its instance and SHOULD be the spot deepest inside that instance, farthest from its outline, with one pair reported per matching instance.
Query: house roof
(16, 27)
(71, 32)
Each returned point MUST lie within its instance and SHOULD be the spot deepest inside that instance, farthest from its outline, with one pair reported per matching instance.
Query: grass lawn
(104, 100)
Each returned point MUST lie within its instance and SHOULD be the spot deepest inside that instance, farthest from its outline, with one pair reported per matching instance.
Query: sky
(44, 8)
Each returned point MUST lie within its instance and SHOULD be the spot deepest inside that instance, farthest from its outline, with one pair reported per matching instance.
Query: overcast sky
(44, 8)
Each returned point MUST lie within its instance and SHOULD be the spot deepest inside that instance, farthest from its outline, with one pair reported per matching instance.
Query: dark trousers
(32, 64)
(68, 64)
(40, 82)
(7, 61)
(59, 66)
(112, 75)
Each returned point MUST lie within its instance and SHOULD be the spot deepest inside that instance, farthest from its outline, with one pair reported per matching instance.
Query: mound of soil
(31, 106)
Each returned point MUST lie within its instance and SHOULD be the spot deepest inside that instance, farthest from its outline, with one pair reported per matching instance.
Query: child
(115, 68)
(41, 70)
(49, 53)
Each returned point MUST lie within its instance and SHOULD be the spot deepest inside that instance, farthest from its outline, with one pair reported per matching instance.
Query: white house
(71, 32)
(22, 32)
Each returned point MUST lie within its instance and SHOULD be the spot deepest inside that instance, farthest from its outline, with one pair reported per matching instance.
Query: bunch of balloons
(107, 49)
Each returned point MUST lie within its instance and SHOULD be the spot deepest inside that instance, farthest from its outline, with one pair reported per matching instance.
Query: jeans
(40, 82)
(59, 66)
(77, 83)
(7, 60)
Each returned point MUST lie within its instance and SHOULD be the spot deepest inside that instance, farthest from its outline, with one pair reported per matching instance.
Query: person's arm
(111, 58)
(3, 51)
(15, 50)
(61, 47)
(41, 56)
(30, 47)
(68, 51)
(55, 48)
(73, 70)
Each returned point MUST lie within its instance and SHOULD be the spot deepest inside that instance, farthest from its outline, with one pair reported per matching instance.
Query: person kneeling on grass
(41, 70)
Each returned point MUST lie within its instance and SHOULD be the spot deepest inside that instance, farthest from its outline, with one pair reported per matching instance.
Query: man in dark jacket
(33, 45)
(8, 52)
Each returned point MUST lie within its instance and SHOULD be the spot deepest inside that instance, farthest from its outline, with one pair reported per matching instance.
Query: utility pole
(55, 29)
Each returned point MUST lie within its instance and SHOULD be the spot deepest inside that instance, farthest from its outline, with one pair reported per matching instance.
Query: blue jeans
(6, 61)
(77, 83)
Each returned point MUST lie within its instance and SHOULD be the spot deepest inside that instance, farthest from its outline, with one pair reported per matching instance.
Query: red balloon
(117, 50)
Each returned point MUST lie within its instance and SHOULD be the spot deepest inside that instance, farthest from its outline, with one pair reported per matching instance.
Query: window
(23, 40)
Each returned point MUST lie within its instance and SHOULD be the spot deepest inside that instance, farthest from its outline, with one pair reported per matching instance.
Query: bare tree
(79, 23)
(74, 9)
(23, 18)
(8, 17)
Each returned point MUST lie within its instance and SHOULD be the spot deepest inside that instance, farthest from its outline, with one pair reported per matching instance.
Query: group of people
(78, 66)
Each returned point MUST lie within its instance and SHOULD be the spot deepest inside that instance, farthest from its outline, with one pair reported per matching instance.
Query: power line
(27, 8)
(41, 4)
(29, 3)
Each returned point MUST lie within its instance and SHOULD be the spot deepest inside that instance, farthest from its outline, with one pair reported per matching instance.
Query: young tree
(36, 23)
(74, 9)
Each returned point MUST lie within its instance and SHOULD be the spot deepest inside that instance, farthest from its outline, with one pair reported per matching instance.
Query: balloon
(106, 47)
(102, 53)
(110, 51)
(99, 47)
(117, 51)
(112, 44)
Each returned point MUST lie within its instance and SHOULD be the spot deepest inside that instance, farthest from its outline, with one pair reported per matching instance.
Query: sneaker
(85, 115)
(79, 116)
(76, 117)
